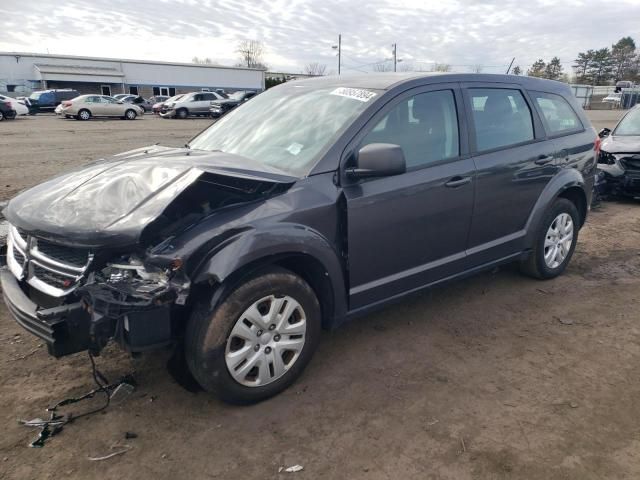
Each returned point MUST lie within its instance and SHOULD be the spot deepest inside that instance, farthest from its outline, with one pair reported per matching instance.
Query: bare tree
(477, 68)
(315, 69)
(251, 53)
(441, 67)
(383, 67)
(405, 67)
(202, 61)
(516, 70)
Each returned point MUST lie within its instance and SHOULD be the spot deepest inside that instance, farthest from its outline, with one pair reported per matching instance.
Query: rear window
(501, 117)
(557, 114)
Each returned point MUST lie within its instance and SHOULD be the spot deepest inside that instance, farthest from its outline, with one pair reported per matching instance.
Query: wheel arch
(310, 257)
(569, 184)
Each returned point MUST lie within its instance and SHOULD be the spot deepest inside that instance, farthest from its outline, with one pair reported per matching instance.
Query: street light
(339, 48)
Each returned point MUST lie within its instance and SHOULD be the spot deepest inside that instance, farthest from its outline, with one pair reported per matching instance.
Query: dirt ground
(495, 377)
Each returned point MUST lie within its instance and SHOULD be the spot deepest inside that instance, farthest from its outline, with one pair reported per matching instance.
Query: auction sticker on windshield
(355, 93)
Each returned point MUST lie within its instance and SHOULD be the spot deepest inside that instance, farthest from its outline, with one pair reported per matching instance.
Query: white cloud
(297, 32)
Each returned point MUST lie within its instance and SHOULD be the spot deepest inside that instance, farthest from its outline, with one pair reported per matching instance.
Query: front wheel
(1, 115)
(130, 115)
(257, 341)
(555, 241)
(182, 113)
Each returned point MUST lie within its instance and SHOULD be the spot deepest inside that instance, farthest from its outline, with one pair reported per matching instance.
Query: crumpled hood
(111, 201)
(621, 144)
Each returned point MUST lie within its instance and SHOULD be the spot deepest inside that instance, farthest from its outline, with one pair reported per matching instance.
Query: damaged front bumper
(137, 315)
(64, 329)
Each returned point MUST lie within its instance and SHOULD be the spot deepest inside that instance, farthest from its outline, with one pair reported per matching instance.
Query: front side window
(557, 114)
(286, 129)
(630, 124)
(424, 125)
(501, 117)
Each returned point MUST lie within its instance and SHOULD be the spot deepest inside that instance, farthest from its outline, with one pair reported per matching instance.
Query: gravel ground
(495, 377)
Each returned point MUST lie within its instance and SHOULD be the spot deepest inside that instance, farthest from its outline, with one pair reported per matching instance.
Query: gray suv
(196, 103)
(316, 202)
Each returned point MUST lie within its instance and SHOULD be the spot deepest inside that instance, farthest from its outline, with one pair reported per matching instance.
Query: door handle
(457, 181)
(544, 159)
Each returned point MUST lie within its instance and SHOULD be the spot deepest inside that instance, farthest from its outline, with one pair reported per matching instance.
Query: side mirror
(379, 160)
(604, 132)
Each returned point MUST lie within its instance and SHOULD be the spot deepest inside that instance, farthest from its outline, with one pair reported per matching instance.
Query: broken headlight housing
(133, 271)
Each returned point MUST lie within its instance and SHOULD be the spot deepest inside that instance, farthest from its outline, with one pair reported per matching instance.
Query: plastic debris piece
(294, 469)
(122, 392)
(125, 449)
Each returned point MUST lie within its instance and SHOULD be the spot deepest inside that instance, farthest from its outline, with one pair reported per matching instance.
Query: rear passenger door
(514, 162)
(408, 230)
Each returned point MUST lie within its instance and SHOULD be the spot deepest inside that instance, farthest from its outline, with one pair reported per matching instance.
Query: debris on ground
(123, 449)
(564, 321)
(56, 422)
(130, 435)
(292, 469)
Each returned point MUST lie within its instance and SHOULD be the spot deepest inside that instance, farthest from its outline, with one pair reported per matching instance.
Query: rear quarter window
(557, 115)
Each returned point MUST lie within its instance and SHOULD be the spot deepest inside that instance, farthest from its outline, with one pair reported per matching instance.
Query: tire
(130, 114)
(536, 265)
(83, 114)
(182, 113)
(211, 339)
(1, 116)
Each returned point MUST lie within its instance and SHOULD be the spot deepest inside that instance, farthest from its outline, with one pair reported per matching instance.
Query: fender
(565, 179)
(251, 246)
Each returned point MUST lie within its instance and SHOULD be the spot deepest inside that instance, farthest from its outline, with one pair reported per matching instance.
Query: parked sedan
(19, 106)
(7, 111)
(619, 158)
(86, 106)
(143, 103)
(157, 107)
(220, 107)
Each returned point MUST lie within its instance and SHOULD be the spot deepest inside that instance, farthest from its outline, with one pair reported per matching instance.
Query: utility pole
(339, 48)
(395, 58)
(339, 52)
(512, 60)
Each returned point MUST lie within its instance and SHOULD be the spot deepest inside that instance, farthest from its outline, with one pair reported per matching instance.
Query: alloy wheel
(266, 341)
(558, 240)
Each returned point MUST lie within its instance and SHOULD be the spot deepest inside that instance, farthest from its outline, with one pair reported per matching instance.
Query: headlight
(606, 158)
(133, 270)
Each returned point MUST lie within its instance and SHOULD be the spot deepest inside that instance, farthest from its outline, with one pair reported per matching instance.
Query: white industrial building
(25, 72)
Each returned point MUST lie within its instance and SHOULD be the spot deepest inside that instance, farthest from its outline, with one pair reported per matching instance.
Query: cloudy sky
(462, 33)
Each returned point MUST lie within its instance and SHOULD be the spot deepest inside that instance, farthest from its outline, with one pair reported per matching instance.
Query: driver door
(406, 231)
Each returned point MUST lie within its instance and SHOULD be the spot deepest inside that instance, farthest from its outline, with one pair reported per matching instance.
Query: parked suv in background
(48, 100)
(220, 107)
(196, 103)
(316, 202)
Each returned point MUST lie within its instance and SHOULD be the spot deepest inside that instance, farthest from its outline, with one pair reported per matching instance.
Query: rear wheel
(555, 241)
(84, 114)
(257, 340)
(130, 114)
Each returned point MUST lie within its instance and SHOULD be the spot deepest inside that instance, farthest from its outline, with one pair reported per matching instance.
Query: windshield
(286, 127)
(35, 95)
(630, 124)
(173, 99)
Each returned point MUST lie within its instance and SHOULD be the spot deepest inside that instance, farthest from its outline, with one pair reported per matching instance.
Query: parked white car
(613, 99)
(17, 105)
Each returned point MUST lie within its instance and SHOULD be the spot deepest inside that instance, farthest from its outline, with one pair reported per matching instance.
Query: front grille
(73, 256)
(56, 270)
(52, 278)
(631, 162)
(17, 254)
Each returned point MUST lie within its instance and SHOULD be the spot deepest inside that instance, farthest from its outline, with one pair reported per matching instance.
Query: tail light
(597, 144)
